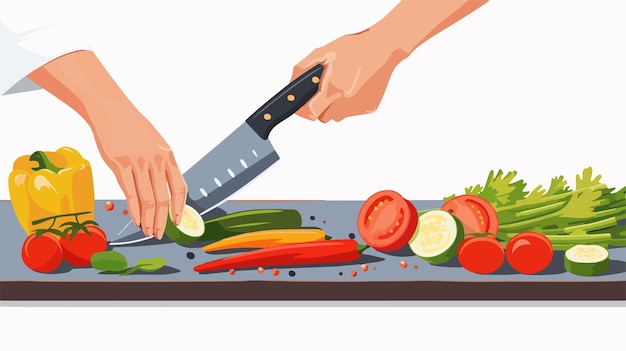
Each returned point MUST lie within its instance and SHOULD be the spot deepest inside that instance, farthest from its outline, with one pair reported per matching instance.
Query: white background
(531, 86)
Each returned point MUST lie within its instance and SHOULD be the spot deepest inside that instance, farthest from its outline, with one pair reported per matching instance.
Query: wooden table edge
(312, 291)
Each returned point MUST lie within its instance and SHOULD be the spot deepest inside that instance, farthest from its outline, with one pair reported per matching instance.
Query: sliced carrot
(267, 238)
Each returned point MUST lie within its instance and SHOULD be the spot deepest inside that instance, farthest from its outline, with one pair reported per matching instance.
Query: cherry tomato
(43, 253)
(77, 250)
(476, 213)
(481, 255)
(529, 252)
(109, 205)
(387, 221)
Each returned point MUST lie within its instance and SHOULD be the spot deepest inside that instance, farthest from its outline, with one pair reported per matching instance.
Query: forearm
(412, 22)
(79, 80)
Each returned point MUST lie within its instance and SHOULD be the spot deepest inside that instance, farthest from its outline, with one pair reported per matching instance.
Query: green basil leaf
(130, 270)
(151, 264)
(109, 261)
(113, 272)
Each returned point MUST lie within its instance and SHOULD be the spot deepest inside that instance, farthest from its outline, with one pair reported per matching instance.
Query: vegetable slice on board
(387, 221)
(587, 260)
(437, 237)
(476, 213)
(190, 229)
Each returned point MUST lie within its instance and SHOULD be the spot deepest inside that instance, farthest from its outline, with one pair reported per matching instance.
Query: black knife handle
(286, 102)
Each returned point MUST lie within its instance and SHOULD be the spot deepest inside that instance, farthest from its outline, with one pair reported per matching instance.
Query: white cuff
(25, 51)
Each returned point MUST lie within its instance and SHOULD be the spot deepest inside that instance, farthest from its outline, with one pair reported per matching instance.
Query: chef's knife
(241, 157)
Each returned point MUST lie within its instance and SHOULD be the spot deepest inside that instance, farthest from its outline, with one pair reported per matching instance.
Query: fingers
(147, 200)
(323, 98)
(178, 190)
(161, 201)
(127, 182)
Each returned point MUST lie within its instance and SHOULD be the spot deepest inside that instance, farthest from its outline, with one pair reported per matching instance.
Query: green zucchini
(250, 221)
(587, 260)
(190, 229)
(437, 237)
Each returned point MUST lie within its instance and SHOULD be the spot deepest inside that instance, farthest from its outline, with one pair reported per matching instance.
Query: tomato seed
(364, 267)
(275, 271)
(231, 271)
(353, 273)
(403, 264)
(261, 270)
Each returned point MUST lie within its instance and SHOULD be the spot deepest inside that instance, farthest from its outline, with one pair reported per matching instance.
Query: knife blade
(241, 156)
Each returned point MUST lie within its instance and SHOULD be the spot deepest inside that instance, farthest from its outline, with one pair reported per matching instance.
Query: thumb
(323, 98)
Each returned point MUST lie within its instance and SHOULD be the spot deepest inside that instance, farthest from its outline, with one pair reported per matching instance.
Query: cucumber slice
(587, 260)
(190, 229)
(437, 236)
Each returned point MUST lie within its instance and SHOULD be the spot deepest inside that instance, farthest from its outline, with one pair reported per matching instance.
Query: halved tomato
(387, 221)
(476, 214)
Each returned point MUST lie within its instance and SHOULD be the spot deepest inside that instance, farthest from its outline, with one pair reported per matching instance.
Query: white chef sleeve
(29, 41)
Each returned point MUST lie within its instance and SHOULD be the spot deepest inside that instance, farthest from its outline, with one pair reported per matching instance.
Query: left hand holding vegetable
(140, 158)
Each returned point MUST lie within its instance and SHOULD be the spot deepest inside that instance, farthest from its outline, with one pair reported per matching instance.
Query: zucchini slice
(437, 237)
(190, 229)
(587, 260)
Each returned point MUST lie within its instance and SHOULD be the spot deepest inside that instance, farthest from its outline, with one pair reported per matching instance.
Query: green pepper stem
(360, 248)
(76, 214)
(44, 162)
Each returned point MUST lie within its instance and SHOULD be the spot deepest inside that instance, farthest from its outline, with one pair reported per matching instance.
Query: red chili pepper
(317, 252)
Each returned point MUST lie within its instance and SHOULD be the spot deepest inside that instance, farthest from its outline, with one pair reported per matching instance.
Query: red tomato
(77, 250)
(42, 254)
(109, 206)
(529, 252)
(481, 255)
(476, 213)
(387, 221)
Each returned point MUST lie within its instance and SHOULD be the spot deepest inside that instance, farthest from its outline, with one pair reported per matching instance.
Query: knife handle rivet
(267, 116)
(315, 79)
(290, 97)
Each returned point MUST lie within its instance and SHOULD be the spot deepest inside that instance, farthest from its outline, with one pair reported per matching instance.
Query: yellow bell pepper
(48, 184)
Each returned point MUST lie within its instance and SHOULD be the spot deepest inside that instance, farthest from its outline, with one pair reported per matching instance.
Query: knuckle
(148, 204)
(163, 202)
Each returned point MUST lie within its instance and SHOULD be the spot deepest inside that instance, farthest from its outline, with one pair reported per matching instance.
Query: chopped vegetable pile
(586, 214)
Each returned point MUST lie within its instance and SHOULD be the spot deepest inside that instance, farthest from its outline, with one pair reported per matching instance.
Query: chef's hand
(358, 66)
(354, 79)
(145, 168)
(141, 160)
